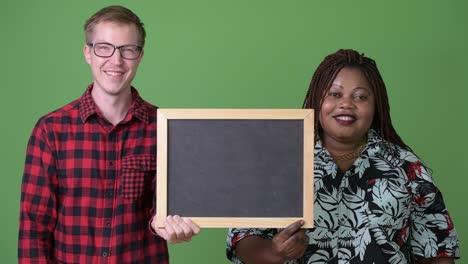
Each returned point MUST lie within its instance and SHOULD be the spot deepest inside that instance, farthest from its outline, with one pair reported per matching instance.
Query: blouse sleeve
(432, 233)
(237, 234)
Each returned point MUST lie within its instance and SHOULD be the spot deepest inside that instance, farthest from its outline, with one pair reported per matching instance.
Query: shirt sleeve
(38, 201)
(432, 231)
(237, 234)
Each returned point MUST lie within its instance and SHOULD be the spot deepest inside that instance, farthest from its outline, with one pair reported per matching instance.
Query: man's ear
(141, 55)
(87, 53)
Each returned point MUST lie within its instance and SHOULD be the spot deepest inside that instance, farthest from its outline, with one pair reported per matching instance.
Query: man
(88, 190)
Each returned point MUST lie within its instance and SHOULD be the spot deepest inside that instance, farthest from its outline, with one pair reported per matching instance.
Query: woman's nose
(346, 102)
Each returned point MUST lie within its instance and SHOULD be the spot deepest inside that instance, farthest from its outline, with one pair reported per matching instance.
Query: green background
(244, 54)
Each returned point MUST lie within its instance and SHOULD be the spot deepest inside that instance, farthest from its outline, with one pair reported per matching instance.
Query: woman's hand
(291, 242)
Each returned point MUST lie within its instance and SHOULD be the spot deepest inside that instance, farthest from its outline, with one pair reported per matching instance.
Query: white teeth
(114, 73)
(345, 118)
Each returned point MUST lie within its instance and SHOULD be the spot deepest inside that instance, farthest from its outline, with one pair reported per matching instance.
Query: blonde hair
(117, 14)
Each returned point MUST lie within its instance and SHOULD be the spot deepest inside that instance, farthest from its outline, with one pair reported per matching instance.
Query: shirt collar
(373, 141)
(324, 160)
(138, 108)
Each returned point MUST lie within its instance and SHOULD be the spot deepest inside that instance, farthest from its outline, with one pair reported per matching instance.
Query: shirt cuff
(151, 229)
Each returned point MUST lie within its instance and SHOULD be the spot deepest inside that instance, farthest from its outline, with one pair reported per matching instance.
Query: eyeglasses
(106, 50)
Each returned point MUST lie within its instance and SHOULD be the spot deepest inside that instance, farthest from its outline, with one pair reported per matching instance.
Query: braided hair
(323, 78)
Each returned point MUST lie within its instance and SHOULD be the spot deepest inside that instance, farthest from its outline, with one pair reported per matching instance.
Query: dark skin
(346, 116)
(289, 244)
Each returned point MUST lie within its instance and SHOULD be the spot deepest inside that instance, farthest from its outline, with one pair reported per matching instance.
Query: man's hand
(291, 242)
(176, 229)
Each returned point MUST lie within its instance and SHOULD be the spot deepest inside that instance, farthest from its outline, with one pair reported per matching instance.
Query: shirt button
(105, 254)
(111, 163)
(108, 224)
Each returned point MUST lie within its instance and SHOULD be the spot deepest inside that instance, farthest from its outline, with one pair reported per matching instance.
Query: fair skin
(345, 116)
(176, 229)
(113, 76)
(111, 92)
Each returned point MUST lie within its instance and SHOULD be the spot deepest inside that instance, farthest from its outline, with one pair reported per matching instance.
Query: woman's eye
(333, 94)
(361, 96)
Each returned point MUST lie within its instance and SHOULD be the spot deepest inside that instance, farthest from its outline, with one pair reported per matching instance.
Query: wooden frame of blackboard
(306, 116)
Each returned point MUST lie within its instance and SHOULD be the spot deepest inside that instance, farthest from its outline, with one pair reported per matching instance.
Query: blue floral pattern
(384, 209)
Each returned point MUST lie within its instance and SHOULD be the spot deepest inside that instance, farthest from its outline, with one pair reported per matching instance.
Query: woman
(375, 202)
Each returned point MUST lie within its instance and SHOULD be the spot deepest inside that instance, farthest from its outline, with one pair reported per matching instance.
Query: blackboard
(235, 167)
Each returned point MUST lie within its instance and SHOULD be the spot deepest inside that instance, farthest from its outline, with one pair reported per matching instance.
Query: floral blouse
(384, 209)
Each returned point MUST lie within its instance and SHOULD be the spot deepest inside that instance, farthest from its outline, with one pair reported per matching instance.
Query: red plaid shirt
(88, 187)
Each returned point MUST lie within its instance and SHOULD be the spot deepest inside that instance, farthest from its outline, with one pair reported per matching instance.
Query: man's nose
(116, 57)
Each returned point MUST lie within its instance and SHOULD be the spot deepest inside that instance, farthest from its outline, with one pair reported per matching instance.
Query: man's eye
(103, 48)
(128, 49)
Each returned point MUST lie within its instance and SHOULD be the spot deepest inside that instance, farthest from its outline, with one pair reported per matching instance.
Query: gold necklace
(353, 154)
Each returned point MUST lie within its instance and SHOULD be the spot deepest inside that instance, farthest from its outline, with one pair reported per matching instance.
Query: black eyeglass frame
(93, 45)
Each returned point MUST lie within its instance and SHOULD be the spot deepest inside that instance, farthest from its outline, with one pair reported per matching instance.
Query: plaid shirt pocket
(137, 171)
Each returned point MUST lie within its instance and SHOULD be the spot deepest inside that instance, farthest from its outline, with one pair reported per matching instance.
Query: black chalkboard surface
(235, 167)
